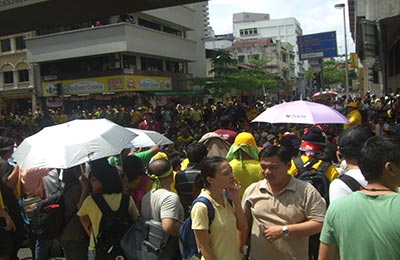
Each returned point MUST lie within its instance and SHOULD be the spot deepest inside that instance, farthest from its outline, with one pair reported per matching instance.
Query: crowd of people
(252, 173)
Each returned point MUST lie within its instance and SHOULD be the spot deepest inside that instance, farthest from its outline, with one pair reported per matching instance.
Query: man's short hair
(196, 152)
(281, 151)
(376, 152)
(159, 167)
(352, 140)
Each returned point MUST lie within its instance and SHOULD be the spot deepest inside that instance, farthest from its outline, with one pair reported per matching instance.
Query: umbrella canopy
(324, 94)
(72, 143)
(301, 112)
(148, 138)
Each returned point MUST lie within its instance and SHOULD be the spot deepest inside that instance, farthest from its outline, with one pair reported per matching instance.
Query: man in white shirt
(349, 145)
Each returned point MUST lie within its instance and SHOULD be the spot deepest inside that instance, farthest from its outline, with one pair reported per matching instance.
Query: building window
(151, 64)
(172, 31)
(241, 58)
(149, 24)
(5, 45)
(23, 75)
(248, 31)
(175, 66)
(255, 56)
(20, 43)
(8, 77)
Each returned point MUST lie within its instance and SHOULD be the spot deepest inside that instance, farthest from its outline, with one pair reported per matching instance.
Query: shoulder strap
(210, 208)
(302, 167)
(323, 166)
(352, 183)
(102, 204)
(123, 206)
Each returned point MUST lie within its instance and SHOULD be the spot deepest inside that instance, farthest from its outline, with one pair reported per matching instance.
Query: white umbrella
(148, 138)
(301, 112)
(72, 143)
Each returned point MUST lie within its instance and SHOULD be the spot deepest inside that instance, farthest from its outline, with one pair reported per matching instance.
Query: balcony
(113, 38)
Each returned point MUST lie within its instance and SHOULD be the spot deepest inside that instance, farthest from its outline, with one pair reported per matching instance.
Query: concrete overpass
(27, 15)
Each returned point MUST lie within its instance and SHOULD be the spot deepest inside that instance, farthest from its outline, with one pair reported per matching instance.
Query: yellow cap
(352, 104)
(245, 138)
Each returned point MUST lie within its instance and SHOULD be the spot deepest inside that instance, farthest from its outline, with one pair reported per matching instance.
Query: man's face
(274, 170)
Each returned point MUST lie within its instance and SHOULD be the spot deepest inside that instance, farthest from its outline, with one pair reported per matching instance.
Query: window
(175, 66)
(172, 31)
(248, 31)
(241, 58)
(151, 64)
(5, 45)
(23, 75)
(8, 77)
(149, 24)
(20, 43)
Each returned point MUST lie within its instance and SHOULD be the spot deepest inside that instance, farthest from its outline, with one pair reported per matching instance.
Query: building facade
(126, 57)
(16, 74)
(256, 25)
(375, 28)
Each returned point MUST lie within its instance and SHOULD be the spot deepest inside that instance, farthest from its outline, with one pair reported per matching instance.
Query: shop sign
(108, 84)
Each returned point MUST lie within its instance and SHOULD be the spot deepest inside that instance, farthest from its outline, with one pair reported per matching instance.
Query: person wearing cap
(350, 144)
(243, 158)
(365, 224)
(160, 204)
(354, 116)
(282, 211)
(105, 181)
(311, 146)
(148, 123)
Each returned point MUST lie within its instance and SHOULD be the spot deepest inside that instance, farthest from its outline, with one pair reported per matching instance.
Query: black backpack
(113, 226)
(316, 177)
(48, 218)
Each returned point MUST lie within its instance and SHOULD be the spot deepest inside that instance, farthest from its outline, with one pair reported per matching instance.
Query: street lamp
(346, 86)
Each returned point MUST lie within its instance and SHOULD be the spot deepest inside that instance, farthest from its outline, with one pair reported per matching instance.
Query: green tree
(228, 77)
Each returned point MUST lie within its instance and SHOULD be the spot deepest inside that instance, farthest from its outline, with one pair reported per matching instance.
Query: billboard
(316, 46)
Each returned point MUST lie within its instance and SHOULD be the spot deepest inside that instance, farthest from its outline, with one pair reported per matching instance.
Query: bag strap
(123, 206)
(323, 166)
(352, 183)
(210, 208)
(102, 204)
(302, 167)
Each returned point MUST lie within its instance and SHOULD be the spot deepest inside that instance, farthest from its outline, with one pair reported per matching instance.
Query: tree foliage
(227, 75)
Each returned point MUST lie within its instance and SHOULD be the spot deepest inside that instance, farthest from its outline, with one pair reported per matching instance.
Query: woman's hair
(133, 167)
(70, 176)
(108, 176)
(209, 167)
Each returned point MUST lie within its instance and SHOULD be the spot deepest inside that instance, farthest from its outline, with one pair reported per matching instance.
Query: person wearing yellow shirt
(354, 116)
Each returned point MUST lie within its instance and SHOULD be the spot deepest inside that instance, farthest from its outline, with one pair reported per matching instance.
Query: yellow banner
(107, 85)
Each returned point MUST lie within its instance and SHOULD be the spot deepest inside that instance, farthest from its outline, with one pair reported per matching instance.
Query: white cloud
(315, 16)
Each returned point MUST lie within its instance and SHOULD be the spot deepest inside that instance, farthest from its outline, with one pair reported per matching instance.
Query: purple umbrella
(301, 112)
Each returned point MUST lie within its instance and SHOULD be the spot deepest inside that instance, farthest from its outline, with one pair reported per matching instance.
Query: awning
(172, 93)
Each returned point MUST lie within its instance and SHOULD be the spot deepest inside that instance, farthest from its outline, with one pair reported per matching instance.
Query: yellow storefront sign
(108, 84)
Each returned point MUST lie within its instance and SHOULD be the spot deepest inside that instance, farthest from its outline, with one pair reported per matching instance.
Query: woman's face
(224, 178)
(96, 185)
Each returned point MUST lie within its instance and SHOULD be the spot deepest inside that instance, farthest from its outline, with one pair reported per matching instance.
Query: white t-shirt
(338, 188)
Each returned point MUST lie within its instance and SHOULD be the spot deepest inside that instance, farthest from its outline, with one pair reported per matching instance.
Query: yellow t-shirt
(222, 237)
(89, 208)
(331, 173)
(248, 174)
(354, 118)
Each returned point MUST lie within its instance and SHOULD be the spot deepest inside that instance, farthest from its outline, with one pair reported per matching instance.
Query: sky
(314, 16)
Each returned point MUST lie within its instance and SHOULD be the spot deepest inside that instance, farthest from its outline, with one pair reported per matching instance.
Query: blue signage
(316, 46)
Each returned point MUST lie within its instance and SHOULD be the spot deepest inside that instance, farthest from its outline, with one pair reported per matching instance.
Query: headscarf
(244, 142)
